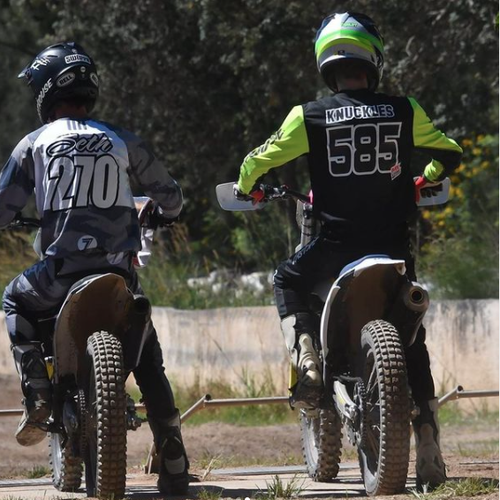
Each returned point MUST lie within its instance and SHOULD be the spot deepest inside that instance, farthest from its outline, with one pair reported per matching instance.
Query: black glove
(157, 218)
(239, 195)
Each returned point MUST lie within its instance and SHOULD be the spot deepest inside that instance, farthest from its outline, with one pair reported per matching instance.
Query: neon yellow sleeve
(445, 152)
(288, 143)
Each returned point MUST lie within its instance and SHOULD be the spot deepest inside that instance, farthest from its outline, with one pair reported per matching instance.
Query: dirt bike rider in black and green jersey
(359, 145)
(80, 170)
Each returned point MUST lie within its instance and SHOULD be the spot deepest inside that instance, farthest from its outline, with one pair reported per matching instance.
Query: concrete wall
(462, 338)
(234, 343)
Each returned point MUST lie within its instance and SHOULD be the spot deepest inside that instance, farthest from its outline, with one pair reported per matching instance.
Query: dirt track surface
(468, 452)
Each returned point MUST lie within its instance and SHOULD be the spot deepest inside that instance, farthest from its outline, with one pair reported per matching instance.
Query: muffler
(415, 297)
(141, 308)
(408, 311)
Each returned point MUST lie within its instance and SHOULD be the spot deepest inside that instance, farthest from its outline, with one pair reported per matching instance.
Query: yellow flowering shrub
(458, 254)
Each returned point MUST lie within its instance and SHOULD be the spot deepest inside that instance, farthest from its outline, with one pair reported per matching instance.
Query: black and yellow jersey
(359, 146)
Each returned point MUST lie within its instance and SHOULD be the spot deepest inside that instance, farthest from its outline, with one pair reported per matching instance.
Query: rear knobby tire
(321, 444)
(385, 448)
(106, 450)
(66, 468)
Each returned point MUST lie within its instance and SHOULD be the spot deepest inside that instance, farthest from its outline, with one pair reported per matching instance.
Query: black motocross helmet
(63, 71)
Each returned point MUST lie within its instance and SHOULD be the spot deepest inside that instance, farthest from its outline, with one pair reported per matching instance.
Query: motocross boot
(298, 332)
(431, 471)
(36, 387)
(173, 478)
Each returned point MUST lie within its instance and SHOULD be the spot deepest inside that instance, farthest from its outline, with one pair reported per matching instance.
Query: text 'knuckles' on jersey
(358, 112)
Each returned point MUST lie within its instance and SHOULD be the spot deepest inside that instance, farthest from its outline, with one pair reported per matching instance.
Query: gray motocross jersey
(80, 173)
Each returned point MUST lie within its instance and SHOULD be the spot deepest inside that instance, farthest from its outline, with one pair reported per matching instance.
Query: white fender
(359, 268)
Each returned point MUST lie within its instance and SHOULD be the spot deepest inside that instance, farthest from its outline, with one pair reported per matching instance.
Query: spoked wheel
(106, 445)
(67, 468)
(321, 444)
(385, 442)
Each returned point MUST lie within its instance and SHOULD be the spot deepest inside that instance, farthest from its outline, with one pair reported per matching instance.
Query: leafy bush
(459, 257)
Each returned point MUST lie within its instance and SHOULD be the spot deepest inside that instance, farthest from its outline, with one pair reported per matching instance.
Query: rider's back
(80, 171)
(360, 149)
(360, 145)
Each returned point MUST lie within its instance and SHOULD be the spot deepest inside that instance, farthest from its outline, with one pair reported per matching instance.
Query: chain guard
(356, 426)
(360, 400)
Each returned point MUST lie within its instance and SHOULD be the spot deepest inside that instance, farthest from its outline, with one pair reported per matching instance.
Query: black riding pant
(40, 291)
(324, 259)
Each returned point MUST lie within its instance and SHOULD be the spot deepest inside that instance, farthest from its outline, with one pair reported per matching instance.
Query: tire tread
(328, 446)
(395, 407)
(111, 399)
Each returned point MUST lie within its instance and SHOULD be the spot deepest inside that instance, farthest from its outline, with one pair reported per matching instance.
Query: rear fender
(93, 304)
(361, 293)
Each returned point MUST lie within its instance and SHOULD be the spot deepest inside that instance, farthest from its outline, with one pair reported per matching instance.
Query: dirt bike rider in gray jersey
(80, 171)
(358, 144)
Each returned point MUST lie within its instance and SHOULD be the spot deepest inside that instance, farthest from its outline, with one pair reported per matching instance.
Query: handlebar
(143, 206)
(283, 192)
(21, 221)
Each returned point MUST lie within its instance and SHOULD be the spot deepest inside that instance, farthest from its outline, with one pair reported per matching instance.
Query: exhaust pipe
(415, 297)
(141, 307)
(408, 311)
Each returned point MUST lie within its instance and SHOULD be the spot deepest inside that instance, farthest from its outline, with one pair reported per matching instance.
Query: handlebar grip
(24, 222)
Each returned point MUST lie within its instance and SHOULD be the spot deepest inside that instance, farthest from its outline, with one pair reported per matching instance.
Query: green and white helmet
(349, 36)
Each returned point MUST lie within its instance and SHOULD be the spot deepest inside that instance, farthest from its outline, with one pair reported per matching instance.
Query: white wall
(462, 338)
(227, 344)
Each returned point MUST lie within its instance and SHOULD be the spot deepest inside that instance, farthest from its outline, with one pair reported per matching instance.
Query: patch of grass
(209, 462)
(469, 487)
(248, 415)
(16, 254)
(134, 392)
(482, 448)
(452, 414)
(248, 387)
(212, 494)
(165, 279)
(280, 489)
(37, 471)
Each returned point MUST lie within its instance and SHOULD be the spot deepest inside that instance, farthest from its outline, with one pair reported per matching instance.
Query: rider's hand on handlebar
(157, 218)
(425, 188)
(255, 196)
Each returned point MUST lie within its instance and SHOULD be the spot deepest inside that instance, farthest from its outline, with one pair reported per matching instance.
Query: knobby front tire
(67, 469)
(321, 444)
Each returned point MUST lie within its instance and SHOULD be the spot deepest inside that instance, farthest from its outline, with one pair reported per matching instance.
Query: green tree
(205, 81)
(23, 28)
